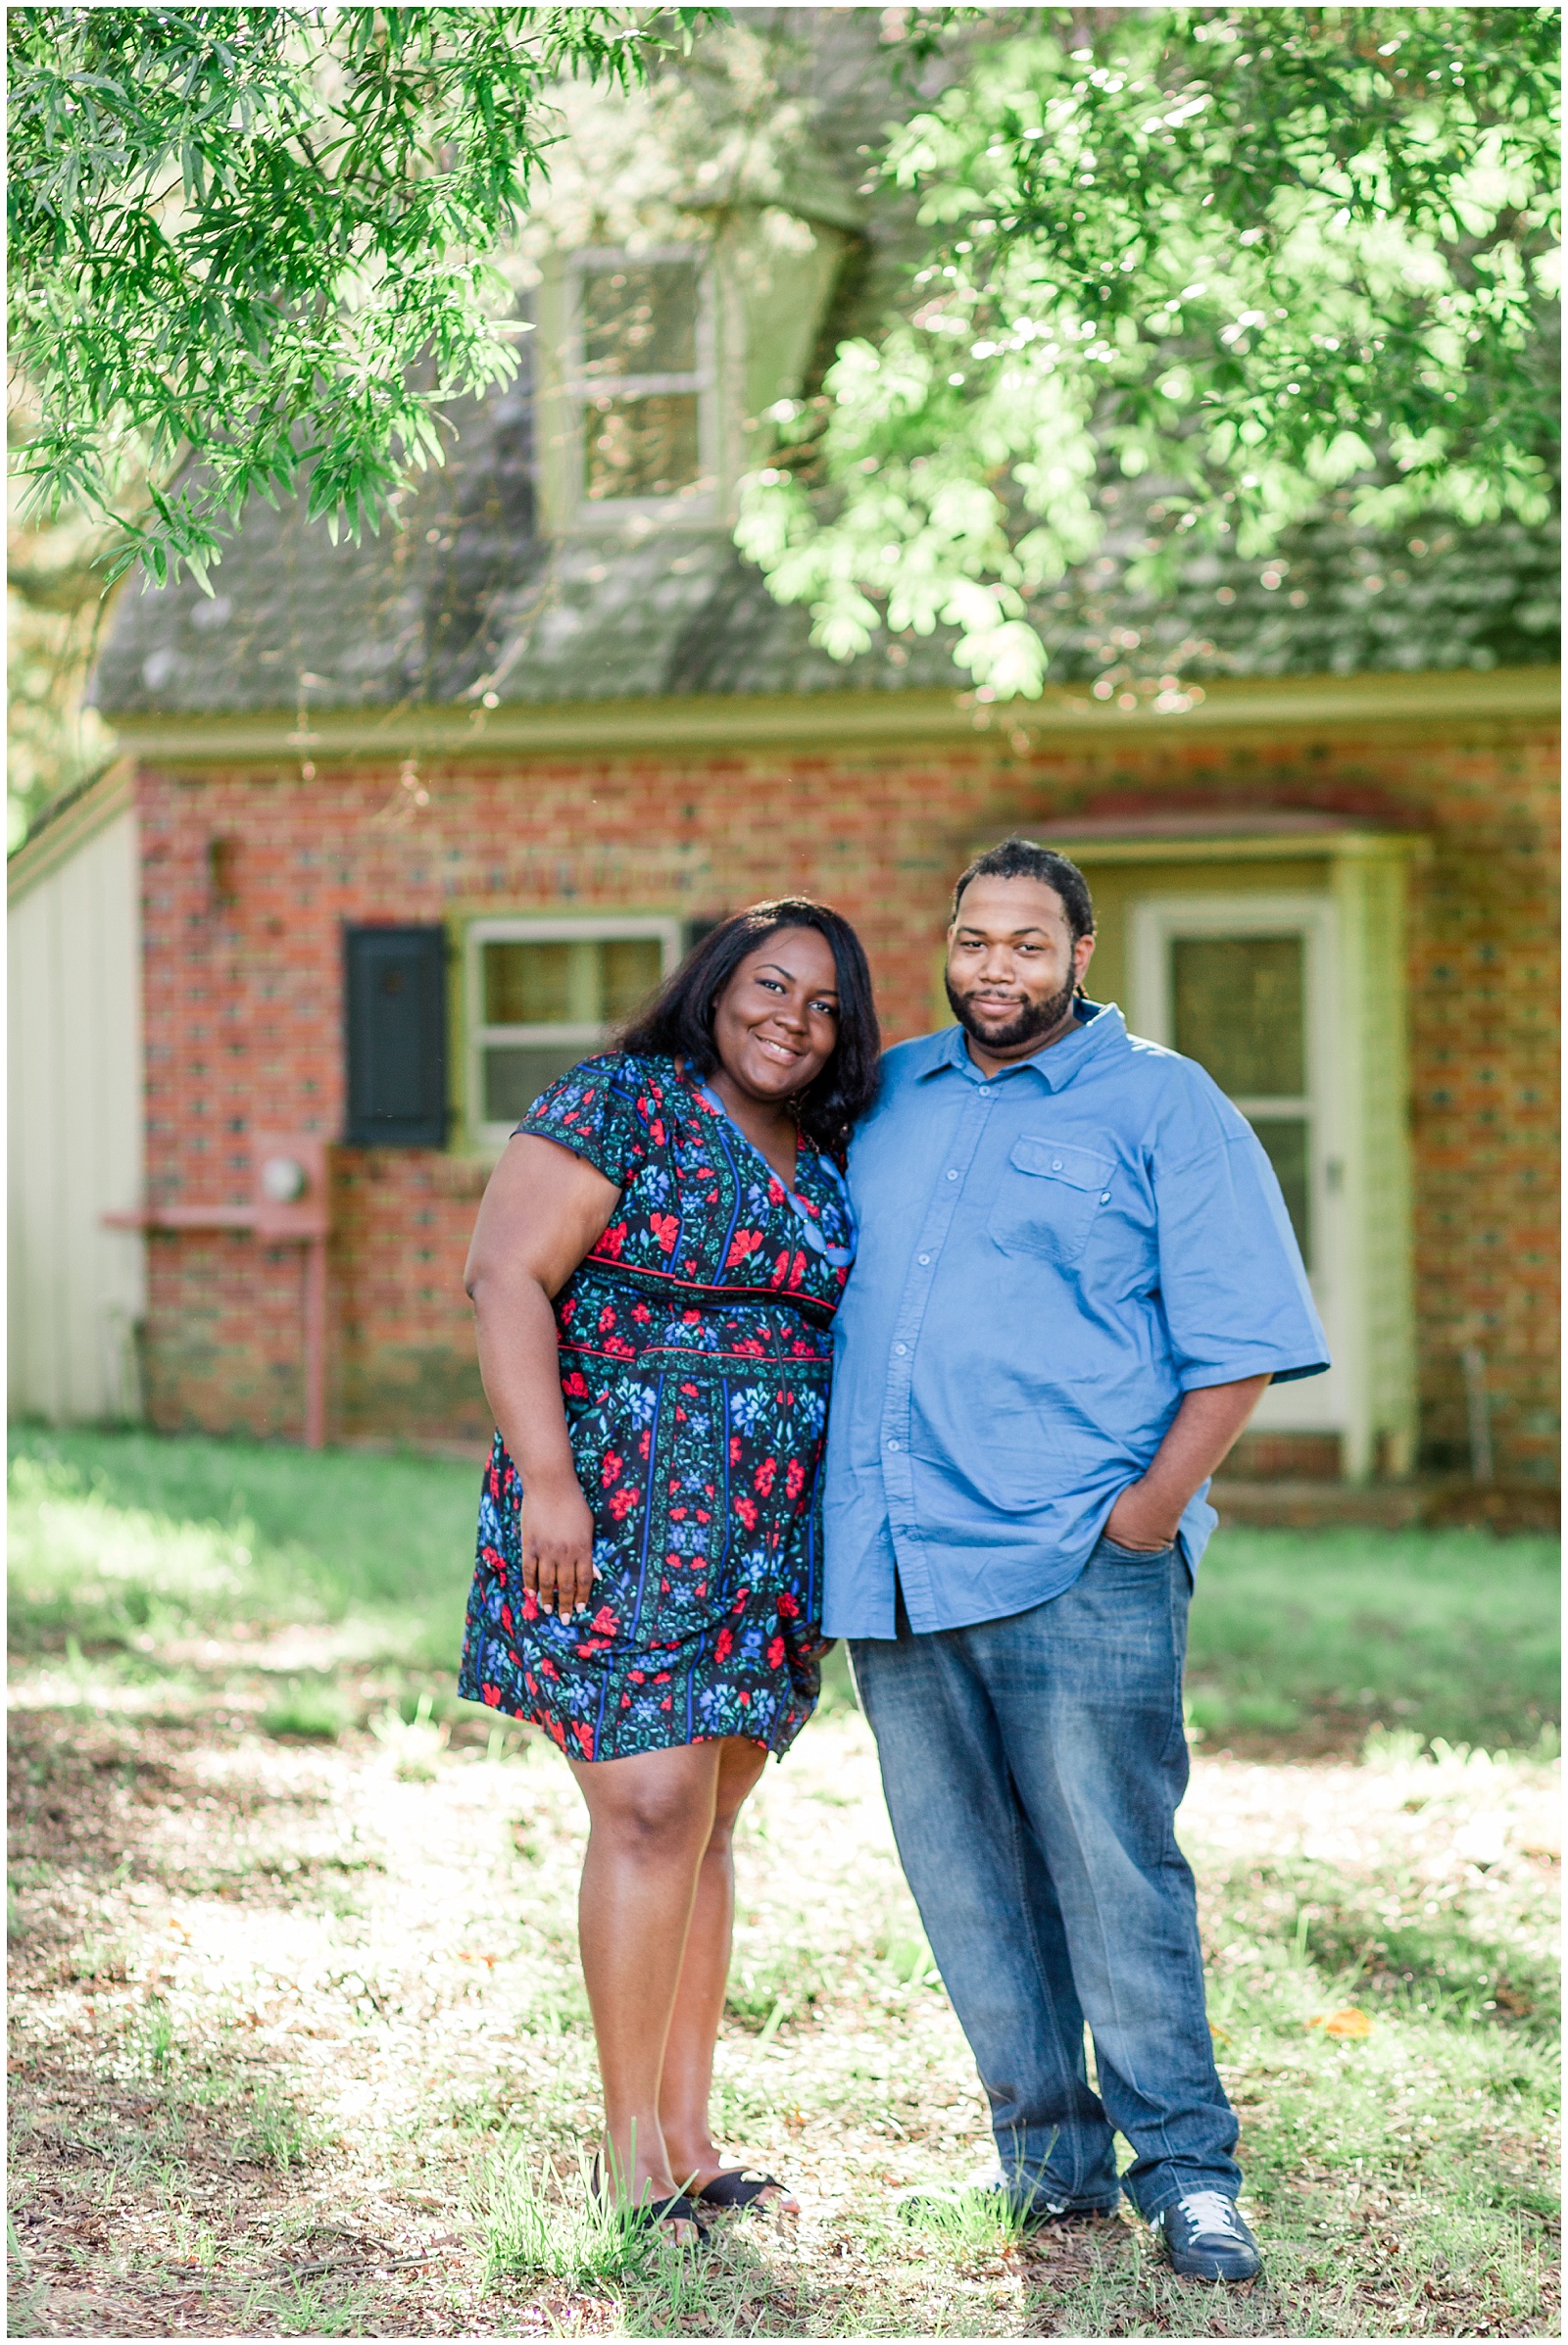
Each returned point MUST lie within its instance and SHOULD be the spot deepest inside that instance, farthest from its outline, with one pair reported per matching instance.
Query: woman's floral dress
(695, 1356)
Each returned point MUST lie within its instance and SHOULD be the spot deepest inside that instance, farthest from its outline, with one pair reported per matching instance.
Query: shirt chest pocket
(1049, 1200)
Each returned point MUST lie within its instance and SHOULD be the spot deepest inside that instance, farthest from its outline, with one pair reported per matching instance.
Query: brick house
(414, 820)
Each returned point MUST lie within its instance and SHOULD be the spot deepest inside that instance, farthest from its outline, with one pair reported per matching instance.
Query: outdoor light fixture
(284, 1181)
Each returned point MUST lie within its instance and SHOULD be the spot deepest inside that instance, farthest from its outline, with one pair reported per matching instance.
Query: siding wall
(244, 1009)
(77, 1291)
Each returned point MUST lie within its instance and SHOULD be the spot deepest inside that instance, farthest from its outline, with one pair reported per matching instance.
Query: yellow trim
(79, 819)
(842, 719)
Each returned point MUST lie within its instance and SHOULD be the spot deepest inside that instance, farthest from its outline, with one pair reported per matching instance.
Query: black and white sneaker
(1206, 2238)
(1034, 2214)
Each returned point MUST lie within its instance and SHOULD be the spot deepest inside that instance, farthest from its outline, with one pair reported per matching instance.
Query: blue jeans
(1033, 1768)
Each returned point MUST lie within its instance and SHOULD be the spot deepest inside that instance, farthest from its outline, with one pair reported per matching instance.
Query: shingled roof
(461, 597)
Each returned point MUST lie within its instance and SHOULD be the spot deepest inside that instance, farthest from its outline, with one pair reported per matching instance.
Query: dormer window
(641, 378)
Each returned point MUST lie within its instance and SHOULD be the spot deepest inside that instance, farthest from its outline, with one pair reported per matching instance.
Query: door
(1244, 985)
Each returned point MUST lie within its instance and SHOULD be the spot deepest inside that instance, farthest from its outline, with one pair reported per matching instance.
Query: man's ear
(1083, 952)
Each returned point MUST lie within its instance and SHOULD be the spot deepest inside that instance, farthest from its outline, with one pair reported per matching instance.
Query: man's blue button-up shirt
(1048, 1261)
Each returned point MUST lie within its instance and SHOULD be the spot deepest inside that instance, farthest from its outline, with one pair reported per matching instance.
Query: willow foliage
(1254, 254)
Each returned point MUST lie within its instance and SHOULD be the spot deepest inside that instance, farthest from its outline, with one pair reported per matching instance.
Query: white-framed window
(541, 994)
(640, 378)
(1241, 984)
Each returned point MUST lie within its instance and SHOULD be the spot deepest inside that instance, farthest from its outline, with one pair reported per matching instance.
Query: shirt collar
(1097, 1026)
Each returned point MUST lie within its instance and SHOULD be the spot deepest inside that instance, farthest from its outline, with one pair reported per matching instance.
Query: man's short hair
(1025, 858)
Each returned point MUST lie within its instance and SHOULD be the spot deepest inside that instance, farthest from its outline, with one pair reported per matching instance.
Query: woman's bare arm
(544, 1210)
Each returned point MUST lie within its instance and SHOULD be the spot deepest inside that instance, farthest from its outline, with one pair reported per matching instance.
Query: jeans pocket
(1114, 1552)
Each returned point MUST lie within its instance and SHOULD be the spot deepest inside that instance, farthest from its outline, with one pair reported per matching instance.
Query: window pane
(515, 1077)
(630, 967)
(1285, 1142)
(640, 318)
(640, 447)
(1240, 1008)
(528, 985)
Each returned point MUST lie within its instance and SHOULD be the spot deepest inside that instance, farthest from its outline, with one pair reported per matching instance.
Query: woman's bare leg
(688, 2074)
(650, 1819)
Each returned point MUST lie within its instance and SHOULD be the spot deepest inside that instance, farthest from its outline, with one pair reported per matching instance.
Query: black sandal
(652, 2214)
(734, 2187)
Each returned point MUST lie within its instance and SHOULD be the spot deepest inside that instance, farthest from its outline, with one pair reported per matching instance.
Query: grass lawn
(299, 2046)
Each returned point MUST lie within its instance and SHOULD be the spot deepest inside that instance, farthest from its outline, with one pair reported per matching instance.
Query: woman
(654, 1272)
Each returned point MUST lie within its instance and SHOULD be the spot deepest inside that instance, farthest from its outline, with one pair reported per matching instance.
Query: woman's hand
(557, 1550)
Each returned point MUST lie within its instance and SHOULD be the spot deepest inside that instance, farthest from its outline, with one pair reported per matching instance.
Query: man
(1076, 1276)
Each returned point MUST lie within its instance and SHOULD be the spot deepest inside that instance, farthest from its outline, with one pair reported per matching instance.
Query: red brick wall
(243, 1011)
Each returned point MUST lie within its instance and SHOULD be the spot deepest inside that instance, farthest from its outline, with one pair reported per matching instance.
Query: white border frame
(1319, 1403)
(525, 928)
(700, 501)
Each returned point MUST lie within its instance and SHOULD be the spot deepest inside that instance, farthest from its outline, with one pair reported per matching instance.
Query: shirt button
(923, 1259)
(892, 1445)
(901, 1349)
(1055, 1164)
(1104, 1196)
(953, 1176)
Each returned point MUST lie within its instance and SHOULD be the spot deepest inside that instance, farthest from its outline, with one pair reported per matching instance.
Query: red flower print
(747, 1512)
(644, 1444)
(794, 1478)
(744, 1243)
(762, 1479)
(575, 1386)
(530, 1605)
(622, 1504)
(657, 1132)
(585, 1737)
(506, 1618)
(492, 1694)
(775, 1652)
(497, 1564)
(613, 1241)
(607, 1319)
(690, 1391)
(724, 1646)
(781, 1270)
(665, 1228)
(788, 1606)
(734, 1448)
(641, 1313)
(605, 1621)
(610, 1471)
(667, 1703)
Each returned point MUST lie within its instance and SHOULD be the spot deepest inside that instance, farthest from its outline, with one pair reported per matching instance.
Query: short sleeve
(1233, 1285)
(598, 1110)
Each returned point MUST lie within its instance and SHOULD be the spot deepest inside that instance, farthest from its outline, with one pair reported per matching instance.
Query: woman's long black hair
(678, 1022)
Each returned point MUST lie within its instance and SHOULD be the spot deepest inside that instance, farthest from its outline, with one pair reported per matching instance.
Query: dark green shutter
(395, 989)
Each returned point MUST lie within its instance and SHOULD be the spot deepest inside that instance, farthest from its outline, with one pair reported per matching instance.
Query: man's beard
(1034, 1018)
